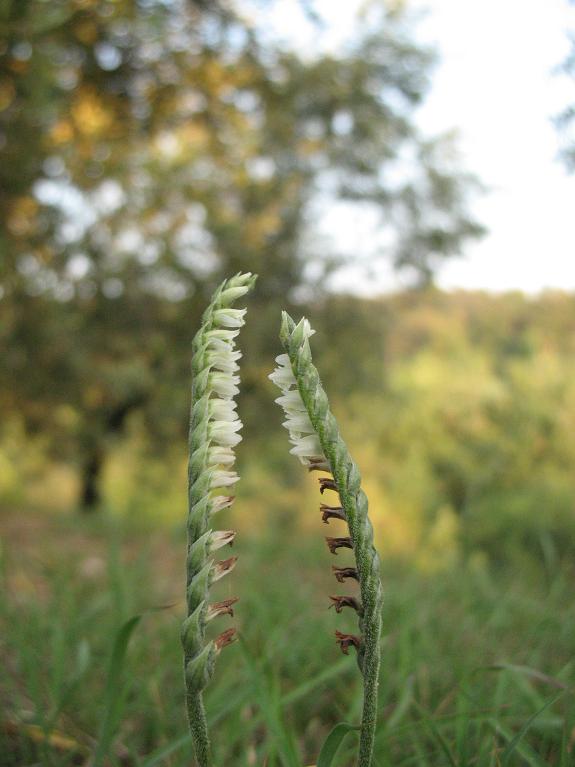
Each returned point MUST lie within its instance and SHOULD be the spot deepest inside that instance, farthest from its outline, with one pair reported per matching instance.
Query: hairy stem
(199, 728)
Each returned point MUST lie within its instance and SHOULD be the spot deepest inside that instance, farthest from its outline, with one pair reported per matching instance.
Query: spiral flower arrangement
(316, 442)
(214, 433)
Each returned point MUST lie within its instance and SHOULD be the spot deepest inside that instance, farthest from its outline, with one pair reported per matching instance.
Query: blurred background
(399, 172)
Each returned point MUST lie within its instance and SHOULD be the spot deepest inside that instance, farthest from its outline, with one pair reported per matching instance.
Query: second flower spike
(316, 442)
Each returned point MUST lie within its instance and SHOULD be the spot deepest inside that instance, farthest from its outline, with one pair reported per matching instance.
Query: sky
(496, 85)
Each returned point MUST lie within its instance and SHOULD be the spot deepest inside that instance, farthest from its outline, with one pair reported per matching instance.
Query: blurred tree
(150, 147)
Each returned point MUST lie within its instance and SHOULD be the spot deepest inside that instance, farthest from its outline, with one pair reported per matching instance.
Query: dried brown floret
(331, 512)
(225, 638)
(341, 573)
(327, 483)
(345, 641)
(338, 543)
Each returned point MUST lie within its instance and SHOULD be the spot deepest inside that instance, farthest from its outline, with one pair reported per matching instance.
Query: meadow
(459, 411)
(477, 668)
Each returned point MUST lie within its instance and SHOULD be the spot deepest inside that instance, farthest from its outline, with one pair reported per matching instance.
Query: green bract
(214, 427)
(316, 442)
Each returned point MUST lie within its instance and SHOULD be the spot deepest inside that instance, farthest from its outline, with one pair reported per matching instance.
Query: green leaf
(505, 756)
(533, 673)
(113, 697)
(333, 742)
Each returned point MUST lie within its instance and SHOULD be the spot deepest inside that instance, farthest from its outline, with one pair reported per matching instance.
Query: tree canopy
(151, 147)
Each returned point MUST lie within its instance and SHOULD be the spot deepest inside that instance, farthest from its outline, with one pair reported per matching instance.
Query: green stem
(199, 728)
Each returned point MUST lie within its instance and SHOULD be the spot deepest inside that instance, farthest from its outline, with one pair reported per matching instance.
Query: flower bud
(199, 670)
(192, 631)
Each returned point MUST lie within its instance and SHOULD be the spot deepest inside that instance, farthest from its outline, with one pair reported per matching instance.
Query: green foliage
(452, 645)
(458, 407)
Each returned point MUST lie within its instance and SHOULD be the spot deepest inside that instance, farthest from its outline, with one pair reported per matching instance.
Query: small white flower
(229, 318)
(220, 339)
(221, 334)
(223, 456)
(224, 432)
(283, 377)
(299, 423)
(223, 409)
(307, 447)
(220, 502)
(224, 360)
(223, 478)
(291, 402)
(225, 385)
(219, 538)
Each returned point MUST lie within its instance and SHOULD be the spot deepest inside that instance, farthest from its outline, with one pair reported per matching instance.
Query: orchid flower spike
(315, 440)
(214, 433)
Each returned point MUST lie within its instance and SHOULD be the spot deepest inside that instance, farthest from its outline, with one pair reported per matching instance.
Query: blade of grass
(170, 748)
(402, 707)
(270, 707)
(513, 744)
(303, 689)
(333, 742)
(436, 734)
(533, 673)
(113, 698)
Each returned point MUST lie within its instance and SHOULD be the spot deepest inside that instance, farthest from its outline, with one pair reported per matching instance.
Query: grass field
(478, 664)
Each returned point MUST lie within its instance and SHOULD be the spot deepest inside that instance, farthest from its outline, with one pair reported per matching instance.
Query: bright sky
(496, 85)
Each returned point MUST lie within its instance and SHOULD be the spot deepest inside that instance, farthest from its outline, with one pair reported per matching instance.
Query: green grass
(478, 665)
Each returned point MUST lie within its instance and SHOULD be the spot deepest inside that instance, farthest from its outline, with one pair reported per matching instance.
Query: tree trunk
(90, 495)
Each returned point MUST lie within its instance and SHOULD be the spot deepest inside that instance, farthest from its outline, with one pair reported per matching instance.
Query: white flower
(223, 409)
(229, 318)
(299, 423)
(223, 478)
(225, 385)
(220, 340)
(224, 432)
(292, 402)
(220, 502)
(219, 538)
(306, 444)
(223, 456)
(283, 376)
(306, 447)
(224, 360)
